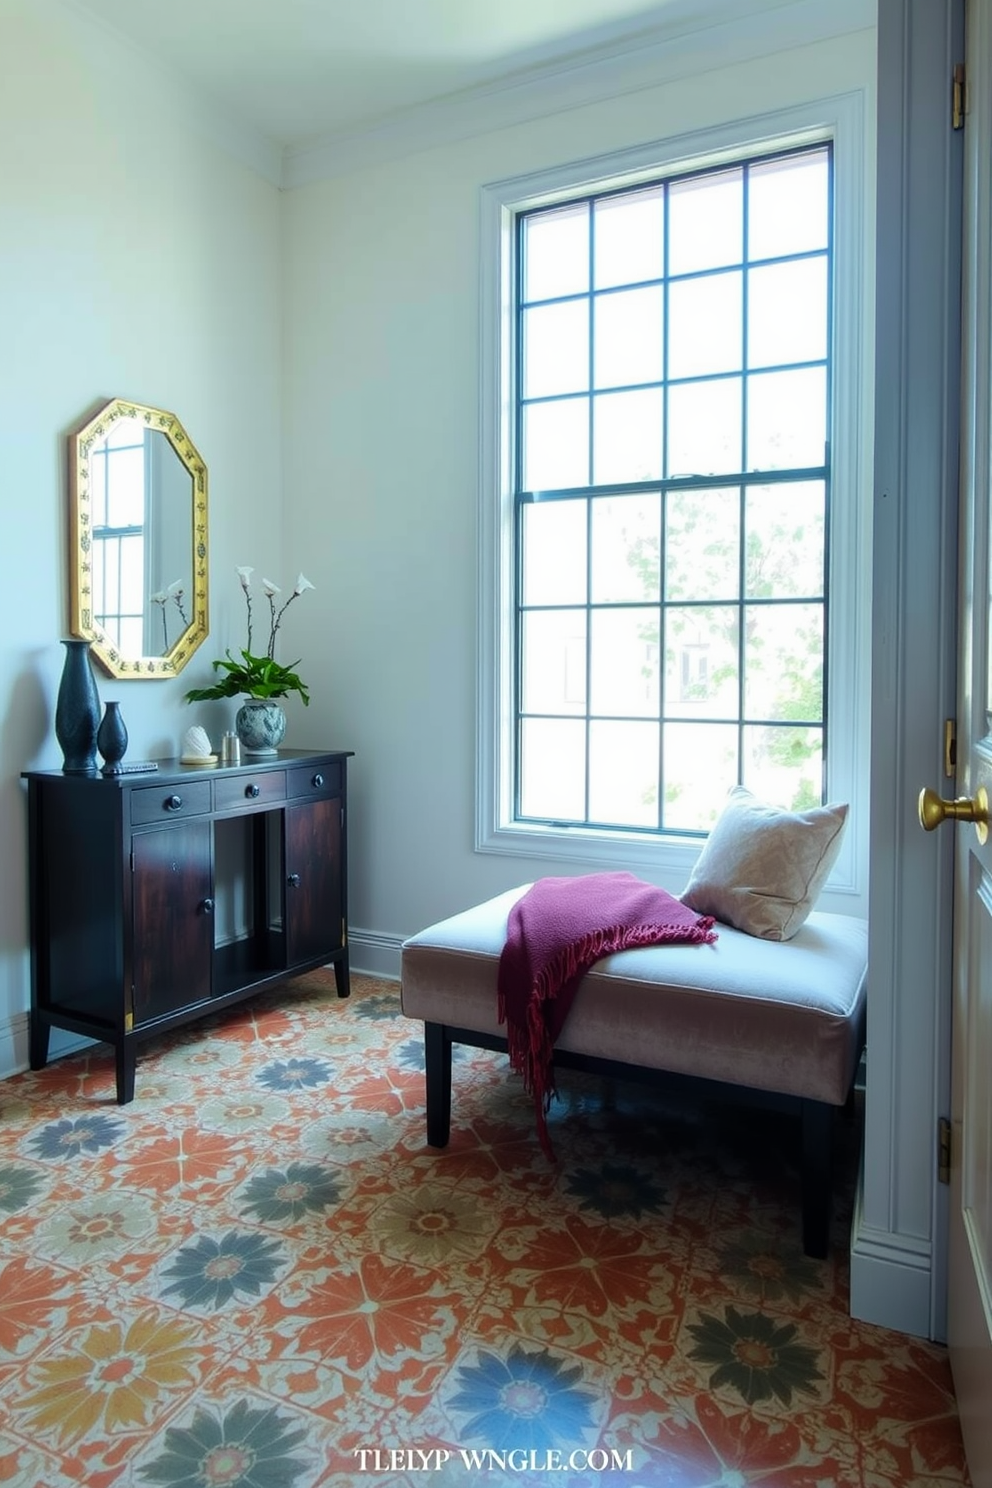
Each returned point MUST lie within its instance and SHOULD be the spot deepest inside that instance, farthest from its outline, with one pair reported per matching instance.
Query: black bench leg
(817, 1177)
(437, 1058)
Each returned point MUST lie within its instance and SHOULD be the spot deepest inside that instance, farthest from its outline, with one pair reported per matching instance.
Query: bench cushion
(780, 1016)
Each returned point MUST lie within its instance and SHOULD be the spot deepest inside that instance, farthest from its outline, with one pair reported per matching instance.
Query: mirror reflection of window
(117, 476)
(141, 553)
(169, 554)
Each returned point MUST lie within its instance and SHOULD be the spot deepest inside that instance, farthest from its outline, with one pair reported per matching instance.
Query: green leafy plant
(252, 675)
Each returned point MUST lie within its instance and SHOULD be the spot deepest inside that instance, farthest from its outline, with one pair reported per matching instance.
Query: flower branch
(252, 675)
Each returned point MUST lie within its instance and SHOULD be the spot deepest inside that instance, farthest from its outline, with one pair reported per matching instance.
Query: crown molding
(129, 65)
(690, 41)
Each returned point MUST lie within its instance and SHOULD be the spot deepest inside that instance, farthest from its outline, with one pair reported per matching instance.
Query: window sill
(664, 860)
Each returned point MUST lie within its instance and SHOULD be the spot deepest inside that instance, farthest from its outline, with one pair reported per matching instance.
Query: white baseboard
(374, 954)
(14, 1045)
(890, 1277)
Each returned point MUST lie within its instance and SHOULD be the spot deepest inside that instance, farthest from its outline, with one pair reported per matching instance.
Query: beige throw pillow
(762, 869)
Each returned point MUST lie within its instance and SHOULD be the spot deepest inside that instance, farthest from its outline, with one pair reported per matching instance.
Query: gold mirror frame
(114, 657)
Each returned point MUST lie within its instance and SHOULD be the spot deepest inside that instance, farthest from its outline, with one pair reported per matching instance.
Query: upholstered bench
(785, 1018)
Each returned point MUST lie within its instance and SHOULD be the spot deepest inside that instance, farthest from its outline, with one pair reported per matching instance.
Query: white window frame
(839, 119)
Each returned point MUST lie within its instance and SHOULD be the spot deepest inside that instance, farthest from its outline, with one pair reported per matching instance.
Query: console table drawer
(315, 780)
(245, 789)
(158, 803)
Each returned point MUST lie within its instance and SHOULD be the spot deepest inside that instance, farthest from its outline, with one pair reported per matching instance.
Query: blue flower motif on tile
(18, 1186)
(291, 1192)
(384, 1006)
(246, 1447)
(208, 1273)
(527, 1400)
(410, 1056)
(69, 1138)
(295, 1074)
(614, 1189)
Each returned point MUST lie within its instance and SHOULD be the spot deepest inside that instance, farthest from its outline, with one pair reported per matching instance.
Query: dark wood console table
(124, 882)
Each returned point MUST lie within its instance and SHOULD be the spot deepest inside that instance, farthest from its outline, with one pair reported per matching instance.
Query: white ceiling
(299, 71)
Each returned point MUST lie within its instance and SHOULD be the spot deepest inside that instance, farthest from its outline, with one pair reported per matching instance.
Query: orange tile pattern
(258, 1276)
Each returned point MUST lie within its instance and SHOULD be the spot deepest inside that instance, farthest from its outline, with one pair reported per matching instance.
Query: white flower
(302, 584)
(244, 574)
(176, 589)
(161, 597)
(270, 588)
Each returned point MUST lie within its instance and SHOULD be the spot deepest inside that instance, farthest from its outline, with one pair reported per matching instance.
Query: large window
(672, 495)
(675, 458)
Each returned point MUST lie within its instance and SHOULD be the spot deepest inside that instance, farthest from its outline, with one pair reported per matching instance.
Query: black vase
(77, 710)
(111, 739)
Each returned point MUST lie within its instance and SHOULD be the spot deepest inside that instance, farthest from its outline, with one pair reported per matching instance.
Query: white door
(970, 1244)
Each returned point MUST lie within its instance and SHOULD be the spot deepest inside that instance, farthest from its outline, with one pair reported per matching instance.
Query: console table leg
(39, 1030)
(125, 1060)
(342, 976)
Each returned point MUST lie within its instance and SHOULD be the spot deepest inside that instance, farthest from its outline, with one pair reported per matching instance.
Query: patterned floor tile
(258, 1275)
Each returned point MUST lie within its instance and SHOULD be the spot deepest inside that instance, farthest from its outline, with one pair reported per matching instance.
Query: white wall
(322, 349)
(382, 463)
(136, 259)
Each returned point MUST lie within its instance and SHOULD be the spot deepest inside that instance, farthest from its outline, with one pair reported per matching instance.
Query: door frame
(899, 1236)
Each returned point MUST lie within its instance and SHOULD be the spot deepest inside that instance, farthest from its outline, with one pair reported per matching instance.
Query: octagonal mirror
(138, 540)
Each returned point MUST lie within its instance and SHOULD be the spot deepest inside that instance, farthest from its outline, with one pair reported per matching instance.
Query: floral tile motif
(364, 1314)
(258, 1270)
(72, 1138)
(210, 1273)
(108, 1377)
(755, 1356)
(245, 1446)
(431, 1225)
(34, 1302)
(243, 1114)
(19, 1186)
(520, 1397)
(286, 1195)
(96, 1228)
(294, 1074)
(615, 1190)
(762, 1266)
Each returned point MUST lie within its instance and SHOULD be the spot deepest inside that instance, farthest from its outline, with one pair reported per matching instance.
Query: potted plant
(260, 679)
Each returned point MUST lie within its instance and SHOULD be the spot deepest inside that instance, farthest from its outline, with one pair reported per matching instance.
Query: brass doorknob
(934, 810)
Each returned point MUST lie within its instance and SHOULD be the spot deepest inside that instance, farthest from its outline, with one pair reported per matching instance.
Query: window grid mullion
(745, 451)
(518, 546)
(590, 471)
(663, 503)
(664, 488)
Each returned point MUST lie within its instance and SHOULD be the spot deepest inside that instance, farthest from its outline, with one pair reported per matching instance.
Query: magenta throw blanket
(555, 932)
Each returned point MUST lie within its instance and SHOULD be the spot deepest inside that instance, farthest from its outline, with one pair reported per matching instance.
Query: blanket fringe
(530, 1049)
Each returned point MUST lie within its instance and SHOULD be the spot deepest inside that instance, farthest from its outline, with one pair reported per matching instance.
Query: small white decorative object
(196, 747)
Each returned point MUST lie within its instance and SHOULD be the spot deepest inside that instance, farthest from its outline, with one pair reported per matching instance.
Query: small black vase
(111, 739)
(77, 710)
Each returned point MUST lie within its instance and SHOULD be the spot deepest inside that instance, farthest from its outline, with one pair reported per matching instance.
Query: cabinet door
(173, 918)
(314, 880)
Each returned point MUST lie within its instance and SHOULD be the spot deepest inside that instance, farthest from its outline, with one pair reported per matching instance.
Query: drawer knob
(207, 906)
(173, 803)
(293, 880)
(317, 781)
(251, 791)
